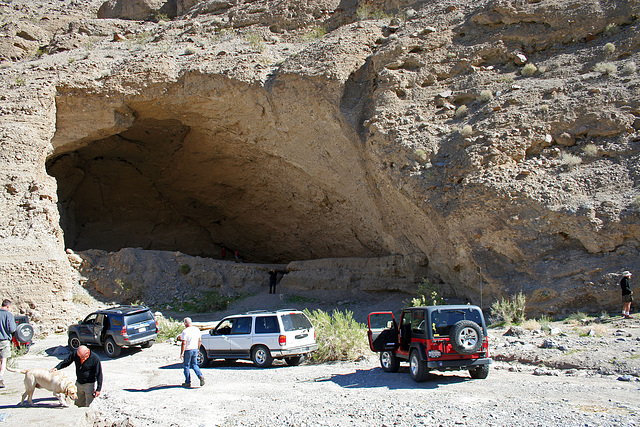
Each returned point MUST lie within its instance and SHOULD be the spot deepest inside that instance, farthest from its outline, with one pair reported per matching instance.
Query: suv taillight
(156, 325)
(123, 332)
(282, 340)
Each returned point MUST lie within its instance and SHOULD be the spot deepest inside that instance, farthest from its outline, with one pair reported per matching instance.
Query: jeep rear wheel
(74, 342)
(417, 367)
(261, 357)
(389, 361)
(466, 337)
(479, 373)
(111, 348)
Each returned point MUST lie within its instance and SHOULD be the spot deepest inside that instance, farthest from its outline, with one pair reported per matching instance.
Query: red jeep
(443, 338)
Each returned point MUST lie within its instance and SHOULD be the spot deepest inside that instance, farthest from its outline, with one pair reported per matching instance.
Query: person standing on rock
(191, 339)
(627, 294)
(273, 280)
(88, 374)
(7, 329)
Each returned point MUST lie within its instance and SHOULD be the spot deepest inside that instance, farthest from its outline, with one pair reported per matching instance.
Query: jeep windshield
(295, 322)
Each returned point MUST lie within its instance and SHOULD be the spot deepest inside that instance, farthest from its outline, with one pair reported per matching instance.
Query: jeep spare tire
(466, 337)
(24, 332)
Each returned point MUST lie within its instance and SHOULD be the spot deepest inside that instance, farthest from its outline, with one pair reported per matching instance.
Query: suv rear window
(143, 316)
(267, 325)
(295, 321)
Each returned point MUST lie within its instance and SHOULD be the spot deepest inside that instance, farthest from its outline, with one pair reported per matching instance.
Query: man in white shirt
(191, 339)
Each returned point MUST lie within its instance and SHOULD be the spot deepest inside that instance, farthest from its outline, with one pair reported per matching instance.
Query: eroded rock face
(493, 140)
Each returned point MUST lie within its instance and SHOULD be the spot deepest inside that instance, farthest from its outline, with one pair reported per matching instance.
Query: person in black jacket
(88, 373)
(627, 294)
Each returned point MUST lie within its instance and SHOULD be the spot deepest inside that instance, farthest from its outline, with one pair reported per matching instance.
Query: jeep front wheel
(389, 361)
(417, 367)
(466, 337)
(111, 348)
(479, 373)
(261, 357)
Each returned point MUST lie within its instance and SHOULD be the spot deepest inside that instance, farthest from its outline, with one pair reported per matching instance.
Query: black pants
(272, 287)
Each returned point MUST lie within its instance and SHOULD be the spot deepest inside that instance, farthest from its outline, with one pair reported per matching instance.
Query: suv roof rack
(257, 311)
(288, 309)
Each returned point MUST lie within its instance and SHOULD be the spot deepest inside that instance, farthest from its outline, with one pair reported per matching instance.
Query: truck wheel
(201, 358)
(389, 361)
(466, 337)
(261, 357)
(74, 342)
(111, 348)
(417, 367)
(293, 361)
(479, 373)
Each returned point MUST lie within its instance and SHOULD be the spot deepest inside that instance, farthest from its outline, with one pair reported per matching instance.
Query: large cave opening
(166, 183)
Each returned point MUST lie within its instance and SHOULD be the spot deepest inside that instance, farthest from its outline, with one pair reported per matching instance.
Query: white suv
(260, 336)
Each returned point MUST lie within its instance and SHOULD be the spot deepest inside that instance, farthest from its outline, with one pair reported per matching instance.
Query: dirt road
(142, 388)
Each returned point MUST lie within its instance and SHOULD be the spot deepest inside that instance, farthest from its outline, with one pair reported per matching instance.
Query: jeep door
(383, 331)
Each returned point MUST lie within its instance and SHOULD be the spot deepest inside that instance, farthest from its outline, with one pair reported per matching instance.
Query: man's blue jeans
(190, 361)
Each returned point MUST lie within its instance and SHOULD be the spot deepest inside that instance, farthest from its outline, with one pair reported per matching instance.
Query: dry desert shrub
(606, 68)
(528, 70)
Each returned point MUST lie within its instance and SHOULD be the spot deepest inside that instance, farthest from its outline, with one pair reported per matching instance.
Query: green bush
(16, 353)
(427, 295)
(168, 328)
(510, 310)
(185, 269)
(578, 316)
(206, 302)
(338, 335)
(529, 70)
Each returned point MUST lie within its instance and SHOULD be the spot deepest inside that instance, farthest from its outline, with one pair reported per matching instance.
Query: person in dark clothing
(627, 294)
(88, 373)
(273, 280)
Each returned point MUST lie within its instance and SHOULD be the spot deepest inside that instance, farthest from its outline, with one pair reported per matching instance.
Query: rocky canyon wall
(490, 146)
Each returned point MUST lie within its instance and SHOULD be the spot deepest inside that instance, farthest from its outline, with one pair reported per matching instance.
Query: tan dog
(57, 382)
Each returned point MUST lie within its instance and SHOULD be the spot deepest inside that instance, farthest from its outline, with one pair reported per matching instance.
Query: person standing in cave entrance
(224, 252)
(237, 255)
(273, 280)
(627, 294)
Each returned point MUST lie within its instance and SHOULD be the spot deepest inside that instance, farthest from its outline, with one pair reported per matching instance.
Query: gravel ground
(142, 388)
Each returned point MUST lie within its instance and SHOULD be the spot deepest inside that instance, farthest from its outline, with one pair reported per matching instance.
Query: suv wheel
(201, 358)
(261, 357)
(479, 373)
(417, 367)
(293, 361)
(74, 342)
(389, 361)
(466, 337)
(111, 348)
(147, 344)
